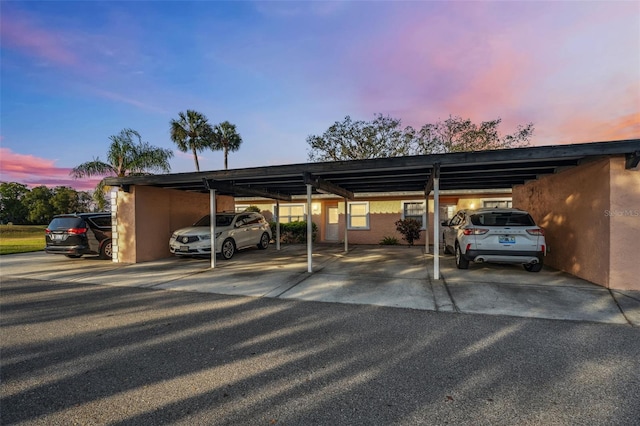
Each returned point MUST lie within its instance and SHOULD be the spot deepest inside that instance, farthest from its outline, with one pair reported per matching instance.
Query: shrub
(253, 209)
(389, 241)
(410, 229)
(294, 232)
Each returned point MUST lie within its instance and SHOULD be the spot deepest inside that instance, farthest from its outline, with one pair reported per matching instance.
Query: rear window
(221, 220)
(502, 219)
(66, 223)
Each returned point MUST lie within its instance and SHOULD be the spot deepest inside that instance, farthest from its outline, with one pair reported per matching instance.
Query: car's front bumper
(502, 256)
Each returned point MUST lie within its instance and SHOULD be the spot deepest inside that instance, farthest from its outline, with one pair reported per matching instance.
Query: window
(414, 210)
(358, 216)
(291, 213)
(241, 207)
(497, 204)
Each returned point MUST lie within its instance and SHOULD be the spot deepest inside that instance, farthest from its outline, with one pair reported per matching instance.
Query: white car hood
(200, 230)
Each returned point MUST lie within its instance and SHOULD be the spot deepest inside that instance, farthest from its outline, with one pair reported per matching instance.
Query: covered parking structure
(586, 195)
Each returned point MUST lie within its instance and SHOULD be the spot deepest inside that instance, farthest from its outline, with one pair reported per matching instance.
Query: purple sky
(74, 73)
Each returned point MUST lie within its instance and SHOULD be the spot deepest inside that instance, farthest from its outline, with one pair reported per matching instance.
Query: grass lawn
(21, 238)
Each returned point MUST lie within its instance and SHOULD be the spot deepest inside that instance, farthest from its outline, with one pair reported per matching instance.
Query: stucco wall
(384, 211)
(147, 216)
(570, 207)
(623, 215)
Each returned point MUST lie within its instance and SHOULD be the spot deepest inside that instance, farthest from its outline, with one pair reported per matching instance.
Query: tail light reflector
(474, 231)
(468, 247)
(77, 231)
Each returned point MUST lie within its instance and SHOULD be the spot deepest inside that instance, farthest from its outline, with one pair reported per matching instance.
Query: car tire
(228, 249)
(461, 262)
(73, 256)
(533, 267)
(264, 241)
(106, 251)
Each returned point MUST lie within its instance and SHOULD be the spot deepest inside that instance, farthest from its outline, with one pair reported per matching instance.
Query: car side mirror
(445, 223)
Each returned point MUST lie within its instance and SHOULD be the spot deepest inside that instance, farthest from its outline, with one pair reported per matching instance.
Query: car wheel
(228, 249)
(461, 262)
(533, 267)
(73, 256)
(106, 250)
(264, 241)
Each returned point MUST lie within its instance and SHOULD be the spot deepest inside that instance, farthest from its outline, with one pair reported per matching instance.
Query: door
(332, 231)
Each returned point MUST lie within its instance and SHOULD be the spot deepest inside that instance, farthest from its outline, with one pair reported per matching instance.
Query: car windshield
(221, 220)
(502, 219)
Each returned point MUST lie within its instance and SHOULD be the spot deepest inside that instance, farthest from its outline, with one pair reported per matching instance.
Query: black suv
(80, 233)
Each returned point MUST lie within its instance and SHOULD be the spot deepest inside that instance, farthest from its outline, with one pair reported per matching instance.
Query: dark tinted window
(502, 219)
(60, 223)
(221, 220)
(102, 221)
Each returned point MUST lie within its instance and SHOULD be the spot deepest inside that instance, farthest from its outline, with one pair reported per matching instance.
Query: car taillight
(77, 231)
(544, 250)
(47, 231)
(536, 231)
(474, 231)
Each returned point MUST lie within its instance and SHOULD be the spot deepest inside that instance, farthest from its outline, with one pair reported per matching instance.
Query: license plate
(184, 249)
(56, 237)
(507, 240)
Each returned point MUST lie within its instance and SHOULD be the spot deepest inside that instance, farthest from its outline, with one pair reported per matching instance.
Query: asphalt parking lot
(368, 338)
(368, 275)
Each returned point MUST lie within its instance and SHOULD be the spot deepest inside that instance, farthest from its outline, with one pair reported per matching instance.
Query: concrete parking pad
(395, 276)
(510, 290)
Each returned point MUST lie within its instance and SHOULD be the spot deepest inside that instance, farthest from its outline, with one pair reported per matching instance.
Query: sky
(74, 73)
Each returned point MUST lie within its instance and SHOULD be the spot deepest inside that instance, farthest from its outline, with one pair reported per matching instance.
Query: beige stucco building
(585, 196)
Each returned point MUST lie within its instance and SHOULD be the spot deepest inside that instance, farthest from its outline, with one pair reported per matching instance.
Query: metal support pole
(426, 224)
(436, 222)
(346, 228)
(212, 213)
(309, 232)
(277, 224)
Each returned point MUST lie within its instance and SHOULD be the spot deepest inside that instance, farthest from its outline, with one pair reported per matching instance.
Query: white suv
(495, 235)
(234, 231)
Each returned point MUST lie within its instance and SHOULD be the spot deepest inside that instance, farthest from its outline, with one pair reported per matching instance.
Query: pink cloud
(35, 171)
(571, 69)
(19, 32)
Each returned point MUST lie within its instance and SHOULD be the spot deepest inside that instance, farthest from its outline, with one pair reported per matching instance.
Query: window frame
(403, 203)
(367, 226)
(497, 200)
(304, 211)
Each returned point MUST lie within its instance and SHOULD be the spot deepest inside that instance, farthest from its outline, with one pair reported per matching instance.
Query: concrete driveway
(395, 276)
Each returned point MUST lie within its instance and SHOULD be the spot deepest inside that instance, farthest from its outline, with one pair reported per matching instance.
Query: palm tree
(125, 158)
(192, 132)
(226, 139)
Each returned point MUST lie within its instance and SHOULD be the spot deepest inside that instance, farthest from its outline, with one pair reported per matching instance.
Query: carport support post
(309, 232)
(277, 224)
(346, 227)
(426, 223)
(436, 222)
(212, 212)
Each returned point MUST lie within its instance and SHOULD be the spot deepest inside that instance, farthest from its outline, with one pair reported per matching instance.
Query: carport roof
(497, 169)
